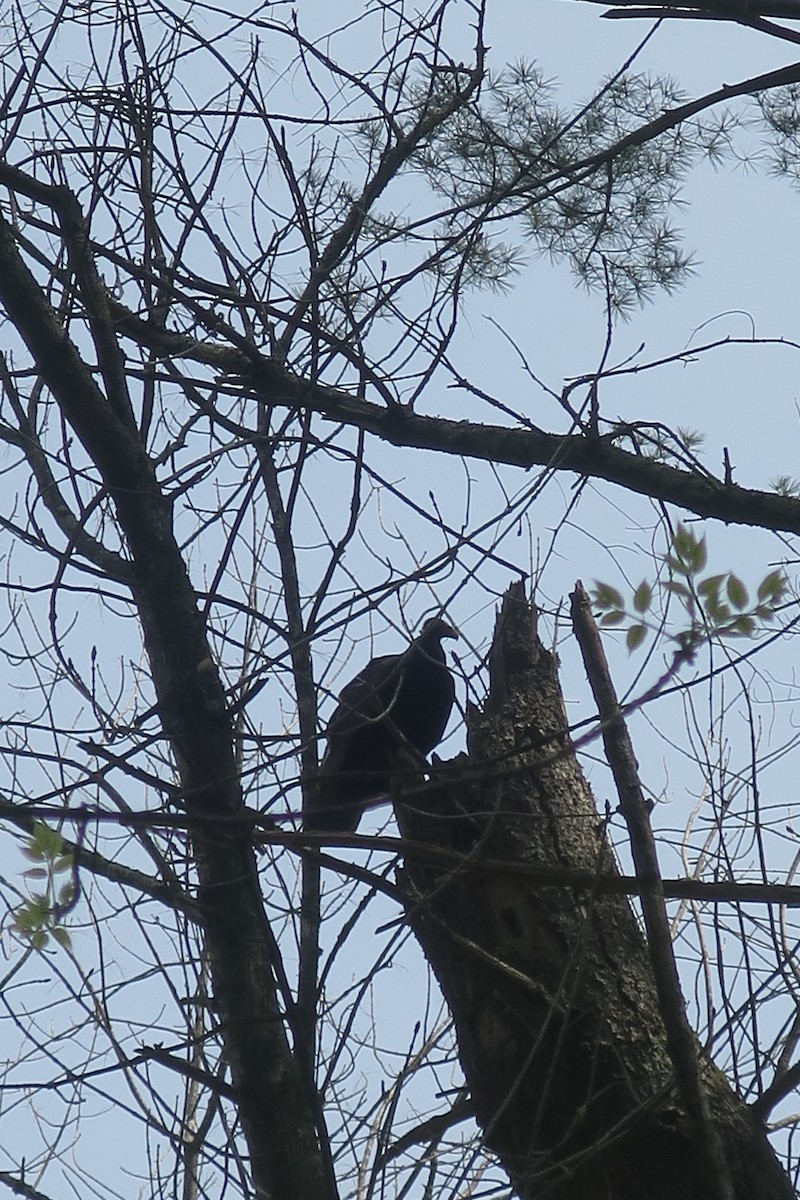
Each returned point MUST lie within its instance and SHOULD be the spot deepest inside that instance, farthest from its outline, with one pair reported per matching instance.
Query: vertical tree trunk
(552, 990)
(273, 1096)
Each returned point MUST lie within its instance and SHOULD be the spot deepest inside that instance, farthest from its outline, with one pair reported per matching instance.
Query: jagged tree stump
(551, 989)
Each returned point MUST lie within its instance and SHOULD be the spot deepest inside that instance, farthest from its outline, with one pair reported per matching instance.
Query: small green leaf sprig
(39, 917)
(715, 605)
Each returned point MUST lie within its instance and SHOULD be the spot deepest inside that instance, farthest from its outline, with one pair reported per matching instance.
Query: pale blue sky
(742, 226)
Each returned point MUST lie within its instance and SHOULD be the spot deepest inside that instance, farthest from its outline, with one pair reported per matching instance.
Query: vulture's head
(436, 628)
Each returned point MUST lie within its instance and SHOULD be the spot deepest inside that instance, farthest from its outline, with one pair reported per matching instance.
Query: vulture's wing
(368, 697)
(354, 767)
(396, 699)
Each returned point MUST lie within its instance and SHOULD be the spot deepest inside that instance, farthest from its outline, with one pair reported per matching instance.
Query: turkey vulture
(396, 700)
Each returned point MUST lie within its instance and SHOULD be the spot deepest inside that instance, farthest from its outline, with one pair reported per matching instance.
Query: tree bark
(552, 989)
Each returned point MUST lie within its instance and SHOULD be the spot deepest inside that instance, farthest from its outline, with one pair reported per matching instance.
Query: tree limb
(273, 1104)
(681, 1042)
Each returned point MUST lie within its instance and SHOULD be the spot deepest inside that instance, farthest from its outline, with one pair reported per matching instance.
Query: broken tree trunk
(551, 989)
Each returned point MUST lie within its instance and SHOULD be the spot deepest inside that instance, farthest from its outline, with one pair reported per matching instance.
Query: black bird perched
(396, 700)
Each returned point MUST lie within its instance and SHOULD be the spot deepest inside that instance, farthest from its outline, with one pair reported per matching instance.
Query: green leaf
(44, 843)
(737, 592)
(40, 905)
(772, 587)
(605, 596)
(33, 853)
(643, 597)
(36, 873)
(62, 937)
(66, 894)
(635, 636)
(25, 921)
(677, 589)
(710, 585)
(48, 840)
(690, 551)
(683, 543)
(743, 626)
(718, 614)
(676, 566)
(613, 618)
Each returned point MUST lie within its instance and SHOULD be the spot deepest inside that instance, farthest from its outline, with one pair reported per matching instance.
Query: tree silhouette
(245, 450)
